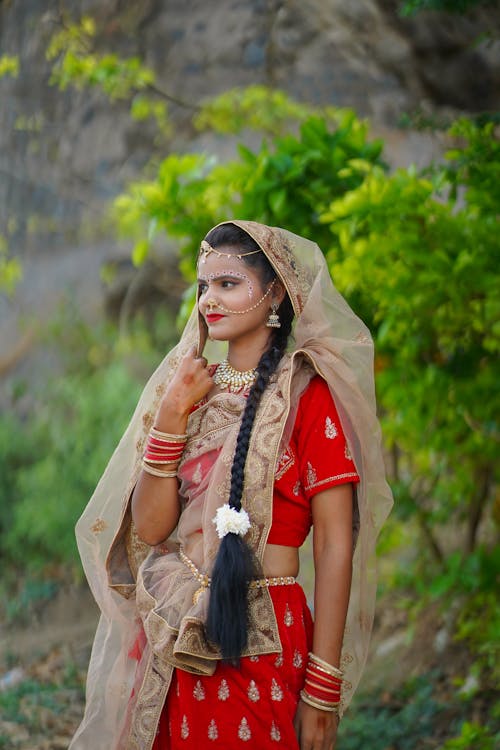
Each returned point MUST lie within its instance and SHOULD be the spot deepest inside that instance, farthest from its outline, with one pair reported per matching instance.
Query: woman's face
(232, 298)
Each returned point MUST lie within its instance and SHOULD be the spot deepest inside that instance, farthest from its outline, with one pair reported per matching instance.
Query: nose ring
(211, 304)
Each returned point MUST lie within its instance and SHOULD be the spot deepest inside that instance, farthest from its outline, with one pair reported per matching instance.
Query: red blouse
(316, 458)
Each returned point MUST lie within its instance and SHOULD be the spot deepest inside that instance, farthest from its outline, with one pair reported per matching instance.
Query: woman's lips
(213, 317)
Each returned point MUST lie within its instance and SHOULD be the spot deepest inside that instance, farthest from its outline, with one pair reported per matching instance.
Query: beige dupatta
(329, 339)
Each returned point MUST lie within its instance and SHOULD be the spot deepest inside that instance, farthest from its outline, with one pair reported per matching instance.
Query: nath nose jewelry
(212, 304)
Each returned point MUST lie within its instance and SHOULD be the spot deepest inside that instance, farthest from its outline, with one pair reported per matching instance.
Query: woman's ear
(278, 293)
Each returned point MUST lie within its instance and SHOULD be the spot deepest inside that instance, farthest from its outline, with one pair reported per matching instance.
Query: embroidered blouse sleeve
(323, 456)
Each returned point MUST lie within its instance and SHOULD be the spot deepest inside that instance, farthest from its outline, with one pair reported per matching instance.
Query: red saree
(253, 704)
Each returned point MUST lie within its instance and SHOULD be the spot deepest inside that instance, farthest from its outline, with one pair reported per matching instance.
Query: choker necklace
(226, 376)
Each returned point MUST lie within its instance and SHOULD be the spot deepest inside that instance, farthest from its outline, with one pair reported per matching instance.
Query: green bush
(75, 431)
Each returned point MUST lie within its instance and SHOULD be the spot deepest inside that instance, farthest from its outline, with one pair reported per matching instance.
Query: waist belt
(255, 583)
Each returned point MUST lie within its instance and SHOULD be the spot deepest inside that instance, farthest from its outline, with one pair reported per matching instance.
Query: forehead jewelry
(206, 249)
(213, 304)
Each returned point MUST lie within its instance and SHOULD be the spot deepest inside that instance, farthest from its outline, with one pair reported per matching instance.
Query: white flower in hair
(227, 520)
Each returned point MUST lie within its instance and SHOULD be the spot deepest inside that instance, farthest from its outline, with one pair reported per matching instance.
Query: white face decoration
(225, 273)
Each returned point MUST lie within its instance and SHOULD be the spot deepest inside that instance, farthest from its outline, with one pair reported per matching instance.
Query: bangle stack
(163, 449)
(323, 685)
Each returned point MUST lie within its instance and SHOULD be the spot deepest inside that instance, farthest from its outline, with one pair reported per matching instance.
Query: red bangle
(322, 676)
(324, 695)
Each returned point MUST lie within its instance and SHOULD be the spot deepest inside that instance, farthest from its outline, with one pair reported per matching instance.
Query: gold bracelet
(316, 703)
(163, 461)
(170, 437)
(324, 666)
(156, 473)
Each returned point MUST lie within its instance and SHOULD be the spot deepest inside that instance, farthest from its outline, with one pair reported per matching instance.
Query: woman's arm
(155, 501)
(332, 547)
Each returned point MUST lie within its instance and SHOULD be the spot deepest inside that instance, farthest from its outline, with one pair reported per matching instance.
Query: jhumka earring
(273, 320)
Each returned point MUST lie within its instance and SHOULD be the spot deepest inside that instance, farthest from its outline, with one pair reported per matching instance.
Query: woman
(213, 642)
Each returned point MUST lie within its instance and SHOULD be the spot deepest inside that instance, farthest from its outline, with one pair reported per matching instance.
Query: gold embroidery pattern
(184, 728)
(244, 732)
(275, 733)
(315, 483)
(276, 691)
(288, 618)
(331, 431)
(223, 692)
(347, 453)
(312, 477)
(253, 692)
(297, 659)
(197, 475)
(199, 691)
(254, 658)
(296, 488)
(279, 661)
(286, 460)
(147, 420)
(148, 707)
(98, 526)
(213, 733)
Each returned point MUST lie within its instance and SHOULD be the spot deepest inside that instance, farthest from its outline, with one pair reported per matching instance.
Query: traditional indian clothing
(152, 668)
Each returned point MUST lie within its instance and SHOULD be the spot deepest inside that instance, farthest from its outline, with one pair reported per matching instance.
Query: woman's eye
(202, 287)
(226, 284)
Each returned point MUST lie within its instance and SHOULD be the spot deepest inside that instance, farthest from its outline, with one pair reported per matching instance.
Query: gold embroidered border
(331, 479)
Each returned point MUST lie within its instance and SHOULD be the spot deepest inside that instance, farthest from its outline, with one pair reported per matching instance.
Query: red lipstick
(213, 317)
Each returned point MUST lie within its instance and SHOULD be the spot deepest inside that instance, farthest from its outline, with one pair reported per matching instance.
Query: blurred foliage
(50, 464)
(410, 7)
(11, 271)
(268, 111)
(420, 714)
(76, 63)
(473, 736)
(9, 66)
(288, 181)
(59, 459)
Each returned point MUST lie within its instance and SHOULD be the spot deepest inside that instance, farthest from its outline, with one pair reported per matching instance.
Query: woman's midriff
(280, 560)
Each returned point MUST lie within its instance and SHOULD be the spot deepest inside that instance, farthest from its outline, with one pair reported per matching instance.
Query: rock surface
(64, 155)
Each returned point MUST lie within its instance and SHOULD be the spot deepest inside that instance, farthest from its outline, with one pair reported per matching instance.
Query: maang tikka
(273, 320)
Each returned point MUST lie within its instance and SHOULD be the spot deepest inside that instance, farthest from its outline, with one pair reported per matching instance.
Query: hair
(235, 564)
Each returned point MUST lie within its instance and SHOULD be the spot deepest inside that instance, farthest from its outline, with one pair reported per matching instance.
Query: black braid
(235, 564)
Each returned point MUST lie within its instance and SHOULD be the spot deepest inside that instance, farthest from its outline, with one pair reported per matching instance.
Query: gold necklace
(226, 376)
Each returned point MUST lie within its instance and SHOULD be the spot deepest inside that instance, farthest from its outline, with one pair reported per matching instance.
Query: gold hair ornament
(206, 249)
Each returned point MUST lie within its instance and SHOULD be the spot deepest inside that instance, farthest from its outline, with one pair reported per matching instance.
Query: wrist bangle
(317, 703)
(156, 472)
(325, 666)
(170, 437)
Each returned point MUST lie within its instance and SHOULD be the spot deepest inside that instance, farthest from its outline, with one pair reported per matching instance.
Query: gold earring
(273, 320)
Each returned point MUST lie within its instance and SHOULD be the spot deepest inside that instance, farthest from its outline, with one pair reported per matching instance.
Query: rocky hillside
(63, 154)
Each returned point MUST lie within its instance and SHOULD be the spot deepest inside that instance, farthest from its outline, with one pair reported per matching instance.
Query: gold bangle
(316, 703)
(156, 473)
(324, 666)
(163, 461)
(170, 437)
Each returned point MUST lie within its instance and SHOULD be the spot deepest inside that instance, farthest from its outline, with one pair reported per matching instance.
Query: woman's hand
(191, 382)
(316, 729)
